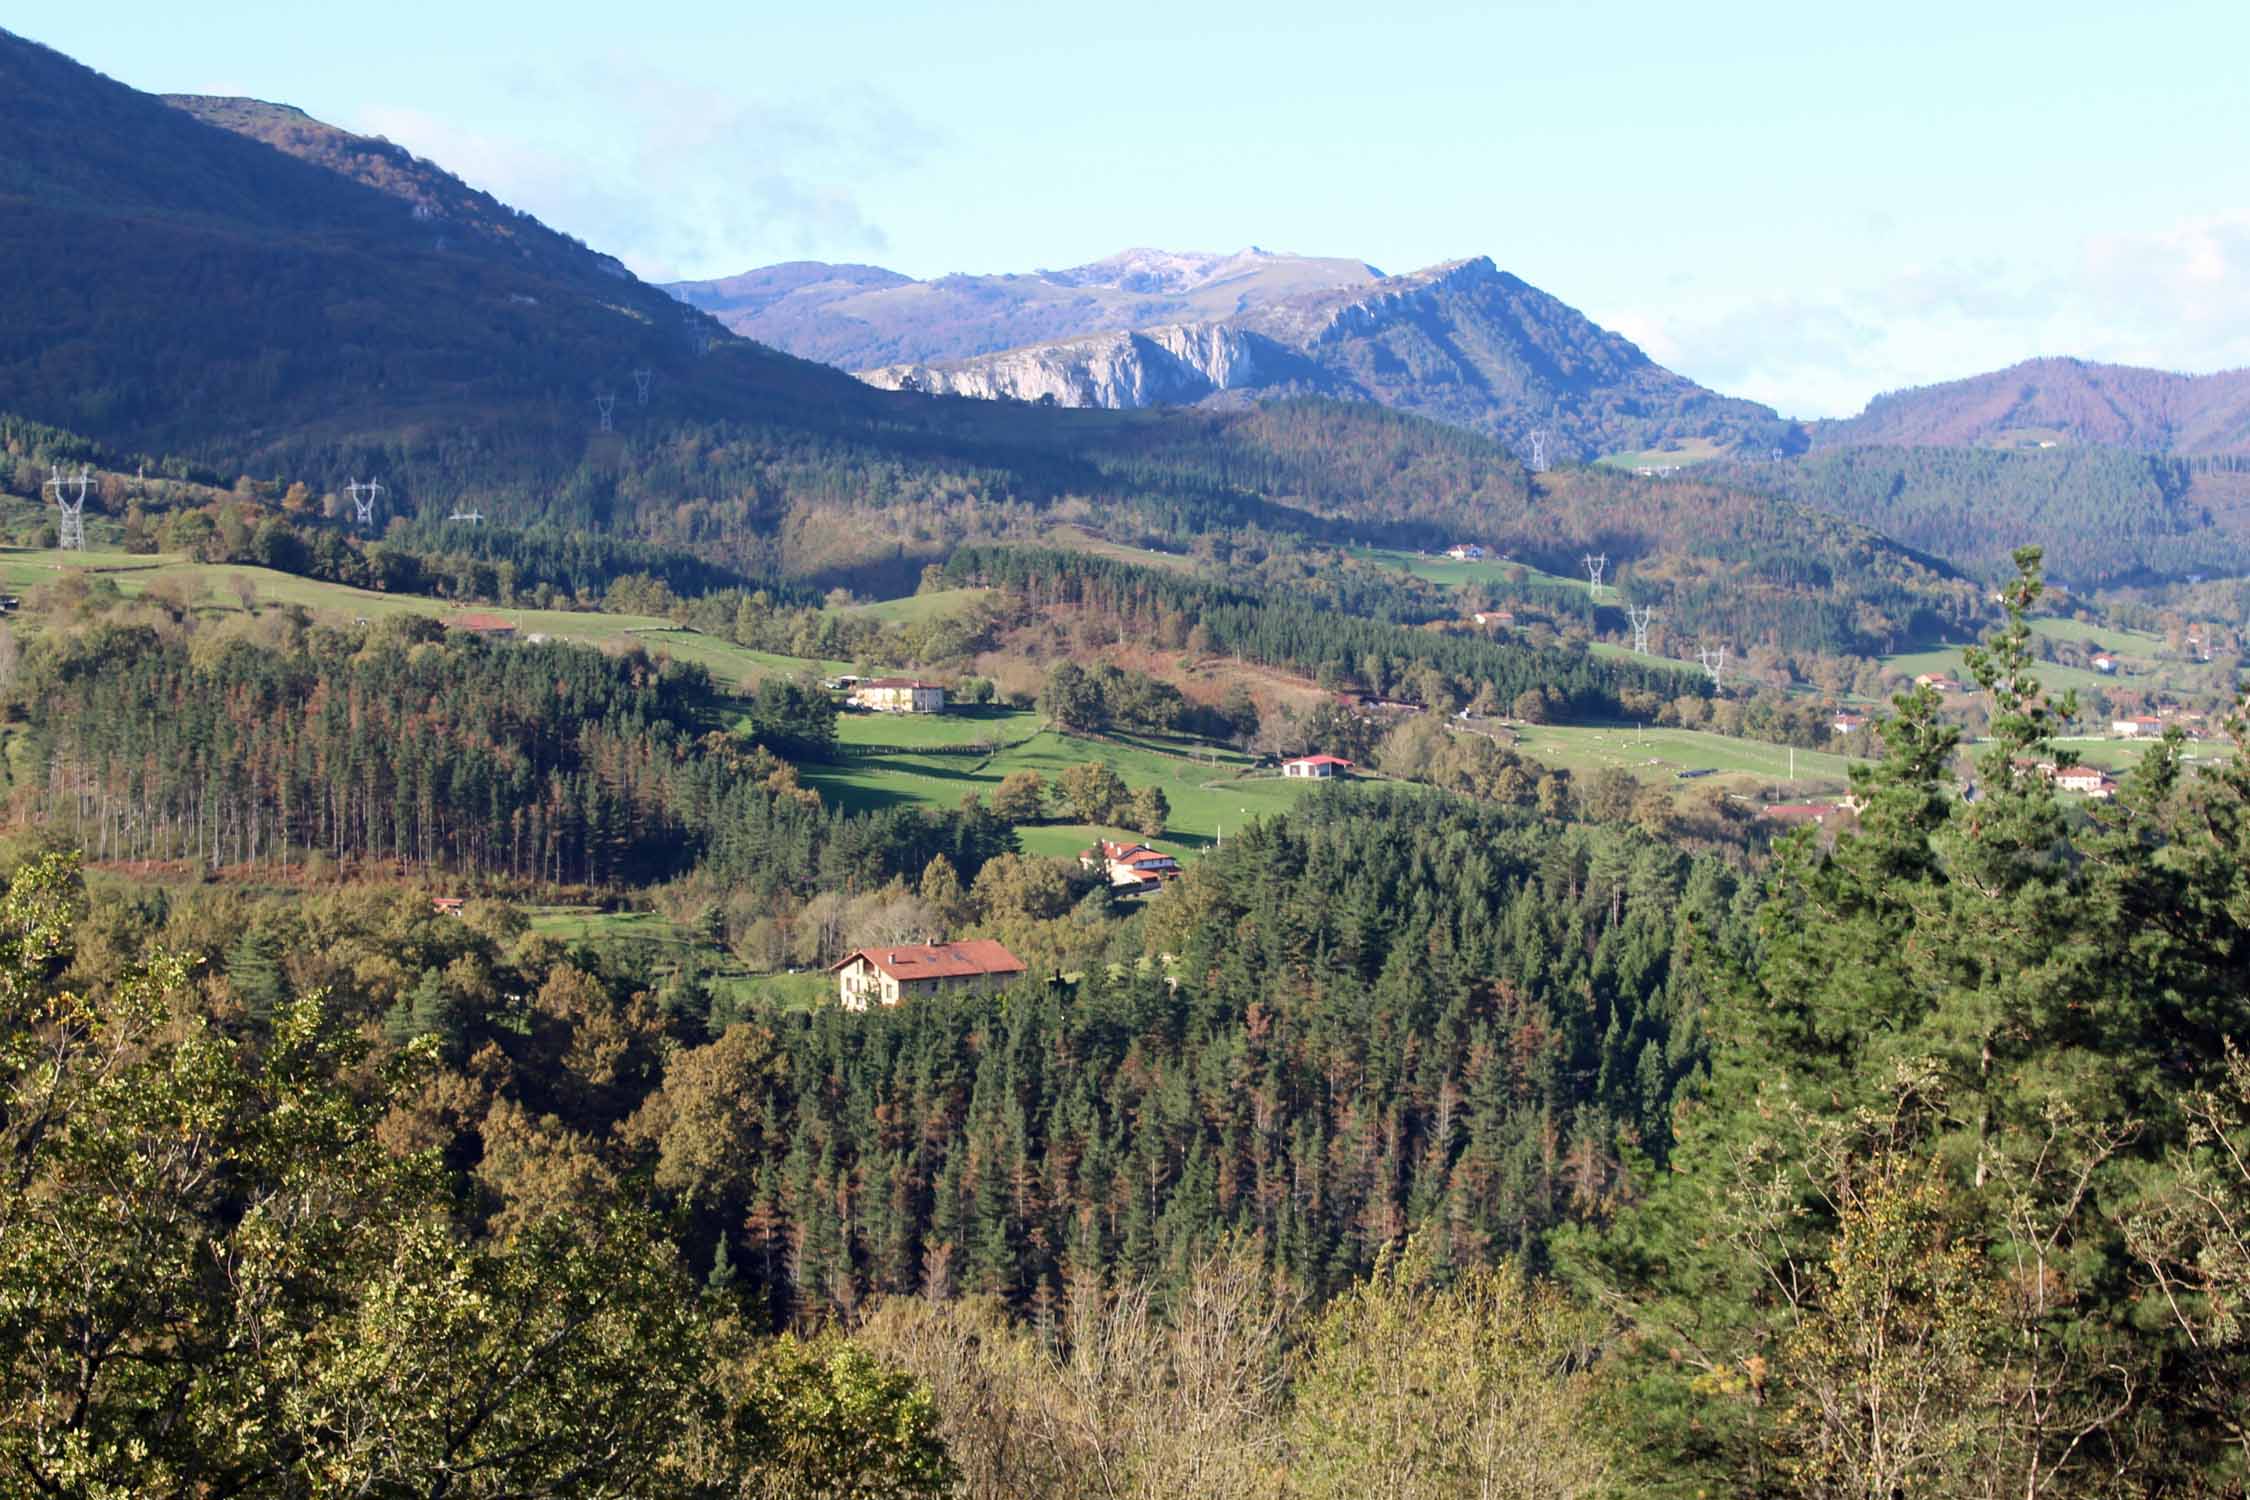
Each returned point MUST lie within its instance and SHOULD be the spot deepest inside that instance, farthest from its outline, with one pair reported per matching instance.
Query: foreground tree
(1419, 1390)
(1891, 1249)
(215, 1281)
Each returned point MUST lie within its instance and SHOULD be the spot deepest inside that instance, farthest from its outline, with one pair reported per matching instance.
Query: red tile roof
(1320, 760)
(909, 961)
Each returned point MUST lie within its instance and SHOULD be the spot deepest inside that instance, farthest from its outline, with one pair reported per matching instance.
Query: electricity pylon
(71, 534)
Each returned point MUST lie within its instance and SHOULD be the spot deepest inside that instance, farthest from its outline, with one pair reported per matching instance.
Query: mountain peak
(1155, 272)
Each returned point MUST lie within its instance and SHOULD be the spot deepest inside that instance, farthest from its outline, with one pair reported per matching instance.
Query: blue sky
(1791, 202)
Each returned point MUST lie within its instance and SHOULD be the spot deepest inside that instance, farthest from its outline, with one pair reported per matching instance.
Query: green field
(915, 608)
(1678, 455)
(1207, 796)
(2134, 646)
(965, 725)
(2147, 662)
(2052, 675)
(1079, 539)
(1659, 755)
(2118, 755)
(212, 587)
(1440, 569)
(673, 945)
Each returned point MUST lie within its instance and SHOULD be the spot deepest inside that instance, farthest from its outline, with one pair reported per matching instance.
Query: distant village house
(2086, 780)
(1465, 552)
(2137, 727)
(1938, 680)
(491, 627)
(899, 695)
(923, 971)
(2105, 663)
(1315, 767)
(1131, 869)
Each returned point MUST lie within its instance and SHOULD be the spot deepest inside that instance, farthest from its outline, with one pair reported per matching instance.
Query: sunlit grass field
(1208, 797)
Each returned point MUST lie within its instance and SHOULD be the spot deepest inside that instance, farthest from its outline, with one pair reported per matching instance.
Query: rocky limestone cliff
(1175, 365)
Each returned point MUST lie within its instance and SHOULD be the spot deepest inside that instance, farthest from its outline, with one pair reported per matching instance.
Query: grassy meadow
(915, 608)
(1659, 755)
(967, 724)
(1208, 795)
(1675, 455)
(217, 588)
(1448, 572)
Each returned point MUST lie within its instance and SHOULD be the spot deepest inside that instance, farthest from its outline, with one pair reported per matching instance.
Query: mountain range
(1463, 342)
(860, 317)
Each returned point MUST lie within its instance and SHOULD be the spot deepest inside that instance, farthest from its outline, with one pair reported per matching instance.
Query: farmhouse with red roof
(491, 627)
(920, 971)
(1315, 767)
(1131, 868)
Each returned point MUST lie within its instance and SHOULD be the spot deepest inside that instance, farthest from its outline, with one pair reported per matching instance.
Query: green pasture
(1675, 455)
(2118, 755)
(1079, 539)
(673, 944)
(212, 587)
(2133, 646)
(967, 724)
(1207, 795)
(1439, 569)
(2052, 675)
(1659, 755)
(805, 991)
(916, 608)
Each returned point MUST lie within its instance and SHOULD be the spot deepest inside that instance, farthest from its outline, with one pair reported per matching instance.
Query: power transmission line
(1714, 661)
(1594, 566)
(364, 497)
(605, 402)
(641, 379)
(1640, 619)
(71, 534)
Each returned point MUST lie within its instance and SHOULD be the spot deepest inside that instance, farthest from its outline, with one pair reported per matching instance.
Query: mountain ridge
(2055, 400)
(861, 317)
(1462, 341)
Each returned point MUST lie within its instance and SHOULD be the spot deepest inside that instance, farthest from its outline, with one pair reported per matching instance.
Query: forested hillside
(2105, 516)
(1389, 1016)
(395, 746)
(2069, 401)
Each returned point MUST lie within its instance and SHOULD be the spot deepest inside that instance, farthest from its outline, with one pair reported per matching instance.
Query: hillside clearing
(1208, 795)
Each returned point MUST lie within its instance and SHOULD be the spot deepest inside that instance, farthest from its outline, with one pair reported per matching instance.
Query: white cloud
(2175, 298)
(678, 180)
